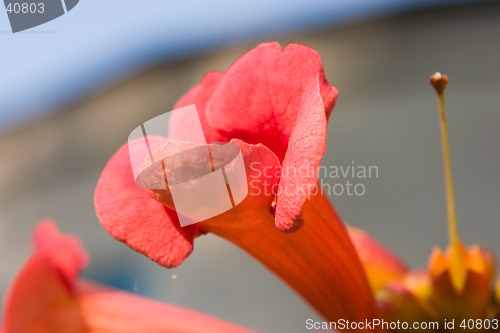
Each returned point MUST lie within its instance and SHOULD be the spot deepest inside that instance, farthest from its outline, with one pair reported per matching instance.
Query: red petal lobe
(130, 215)
(49, 242)
(306, 147)
(258, 98)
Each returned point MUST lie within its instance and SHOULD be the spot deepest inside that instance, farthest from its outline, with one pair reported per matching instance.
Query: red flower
(48, 297)
(274, 105)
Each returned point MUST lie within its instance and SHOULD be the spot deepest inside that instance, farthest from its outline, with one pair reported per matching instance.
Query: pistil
(458, 269)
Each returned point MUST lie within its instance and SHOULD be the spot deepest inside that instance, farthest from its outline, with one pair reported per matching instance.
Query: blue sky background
(99, 41)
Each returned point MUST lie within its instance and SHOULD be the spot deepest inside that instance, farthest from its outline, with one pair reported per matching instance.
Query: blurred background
(72, 90)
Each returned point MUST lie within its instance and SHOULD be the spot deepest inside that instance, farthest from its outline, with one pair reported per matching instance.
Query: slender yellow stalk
(458, 271)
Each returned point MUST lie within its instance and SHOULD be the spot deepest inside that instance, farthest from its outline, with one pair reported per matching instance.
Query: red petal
(40, 300)
(262, 170)
(302, 159)
(258, 98)
(49, 242)
(130, 215)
